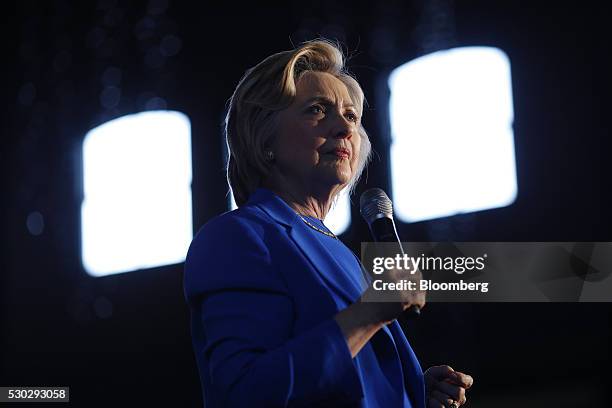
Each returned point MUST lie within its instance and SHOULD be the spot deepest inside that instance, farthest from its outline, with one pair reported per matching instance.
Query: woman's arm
(361, 320)
(358, 323)
(242, 317)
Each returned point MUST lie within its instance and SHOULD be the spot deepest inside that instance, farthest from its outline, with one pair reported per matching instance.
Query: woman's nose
(343, 128)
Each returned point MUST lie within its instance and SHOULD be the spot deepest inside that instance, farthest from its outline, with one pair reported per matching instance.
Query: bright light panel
(339, 218)
(452, 140)
(136, 212)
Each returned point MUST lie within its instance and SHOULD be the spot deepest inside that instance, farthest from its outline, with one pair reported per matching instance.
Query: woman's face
(317, 143)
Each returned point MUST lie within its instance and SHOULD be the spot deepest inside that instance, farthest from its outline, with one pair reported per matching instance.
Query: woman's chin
(333, 178)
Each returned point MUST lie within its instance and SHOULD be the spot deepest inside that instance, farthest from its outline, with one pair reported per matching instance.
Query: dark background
(124, 340)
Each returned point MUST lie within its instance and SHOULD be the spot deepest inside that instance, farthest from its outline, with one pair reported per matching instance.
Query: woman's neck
(316, 202)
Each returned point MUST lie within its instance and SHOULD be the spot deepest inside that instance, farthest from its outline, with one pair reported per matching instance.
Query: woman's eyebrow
(326, 101)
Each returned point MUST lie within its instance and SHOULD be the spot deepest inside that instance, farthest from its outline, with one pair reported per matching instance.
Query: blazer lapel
(313, 250)
(327, 268)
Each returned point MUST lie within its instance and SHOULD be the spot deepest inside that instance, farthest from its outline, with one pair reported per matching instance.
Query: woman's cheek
(354, 160)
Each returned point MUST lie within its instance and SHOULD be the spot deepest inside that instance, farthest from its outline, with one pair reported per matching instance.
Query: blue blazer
(262, 292)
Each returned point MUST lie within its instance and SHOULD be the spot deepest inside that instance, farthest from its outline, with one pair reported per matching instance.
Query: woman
(274, 295)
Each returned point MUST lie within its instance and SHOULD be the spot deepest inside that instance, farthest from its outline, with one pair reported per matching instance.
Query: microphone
(377, 210)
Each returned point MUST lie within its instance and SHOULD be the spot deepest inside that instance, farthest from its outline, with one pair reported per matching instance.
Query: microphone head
(374, 204)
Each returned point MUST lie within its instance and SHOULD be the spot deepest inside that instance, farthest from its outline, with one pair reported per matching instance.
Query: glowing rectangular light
(339, 217)
(452, 140)
(136, 212)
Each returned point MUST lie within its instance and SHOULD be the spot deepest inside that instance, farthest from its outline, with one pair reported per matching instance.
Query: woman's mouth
(341, 153)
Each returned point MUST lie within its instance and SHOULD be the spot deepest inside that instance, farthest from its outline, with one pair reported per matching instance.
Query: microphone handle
(383, 230)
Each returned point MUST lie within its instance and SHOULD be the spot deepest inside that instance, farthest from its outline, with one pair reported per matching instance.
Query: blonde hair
(263, 91)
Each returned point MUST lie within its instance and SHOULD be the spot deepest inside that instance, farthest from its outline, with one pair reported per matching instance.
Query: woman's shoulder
(247, 227)
(234, 224)
(236, 242)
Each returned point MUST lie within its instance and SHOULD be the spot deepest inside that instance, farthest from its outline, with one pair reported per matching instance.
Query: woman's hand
(389, 303)
(446, 387)
(361, 320)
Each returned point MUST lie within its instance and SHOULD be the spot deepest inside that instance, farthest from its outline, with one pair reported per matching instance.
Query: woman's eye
(351, 116)
(316, 109)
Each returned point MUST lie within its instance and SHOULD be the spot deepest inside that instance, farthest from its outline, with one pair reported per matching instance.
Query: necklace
(314, 227)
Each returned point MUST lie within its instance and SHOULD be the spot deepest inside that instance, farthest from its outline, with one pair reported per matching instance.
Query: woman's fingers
(445, 372)
(440, 372)
(461, 379)
(443, 399)
(411, 295)
(391, 304)
(416, 300)
(457, 393)
(434, 403)
(447, 385)
(420, 299)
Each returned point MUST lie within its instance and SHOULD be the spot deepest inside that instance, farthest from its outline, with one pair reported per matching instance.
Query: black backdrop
(125, 339)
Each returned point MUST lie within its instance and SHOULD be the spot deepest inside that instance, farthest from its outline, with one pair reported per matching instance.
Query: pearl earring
(269, 155)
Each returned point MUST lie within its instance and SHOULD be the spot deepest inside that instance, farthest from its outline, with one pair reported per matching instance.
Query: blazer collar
(327, 268)
(274, 206)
